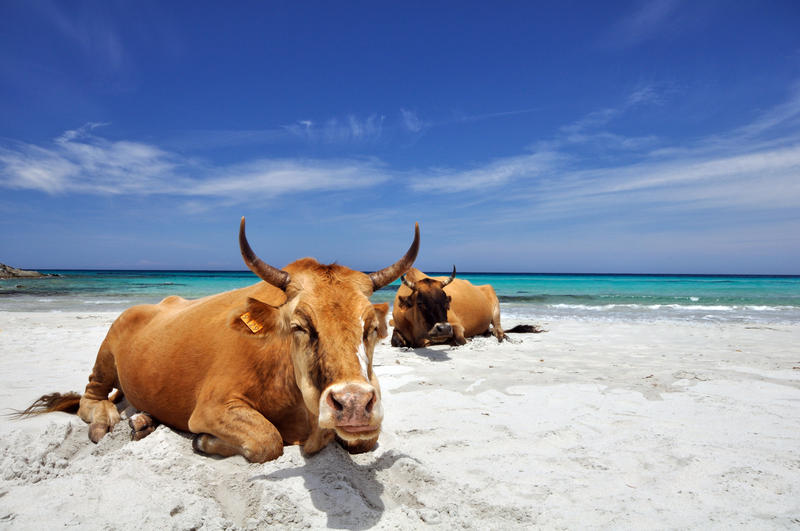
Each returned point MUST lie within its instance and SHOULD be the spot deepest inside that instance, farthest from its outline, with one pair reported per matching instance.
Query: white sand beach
(590, 425)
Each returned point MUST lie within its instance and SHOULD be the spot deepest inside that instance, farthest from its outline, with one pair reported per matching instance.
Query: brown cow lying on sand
(285, 361)
(429, 310)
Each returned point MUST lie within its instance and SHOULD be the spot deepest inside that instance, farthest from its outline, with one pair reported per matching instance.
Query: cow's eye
(298, 329)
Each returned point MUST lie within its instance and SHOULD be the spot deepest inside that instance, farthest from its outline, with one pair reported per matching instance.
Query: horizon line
(431, 272)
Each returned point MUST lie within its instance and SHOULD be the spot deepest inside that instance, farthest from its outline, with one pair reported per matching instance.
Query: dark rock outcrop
(13, 272)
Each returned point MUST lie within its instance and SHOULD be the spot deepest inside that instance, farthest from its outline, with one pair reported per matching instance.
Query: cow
(285, 361)
(430, 310)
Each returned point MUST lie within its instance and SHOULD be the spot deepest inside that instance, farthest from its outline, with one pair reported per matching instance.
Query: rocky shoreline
(12, 272)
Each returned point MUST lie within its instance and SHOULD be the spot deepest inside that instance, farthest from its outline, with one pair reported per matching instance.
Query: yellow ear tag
(252, 324)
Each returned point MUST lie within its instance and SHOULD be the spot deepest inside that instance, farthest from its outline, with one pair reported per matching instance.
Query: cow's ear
(381, 311)
(404, 302)
(255, 317)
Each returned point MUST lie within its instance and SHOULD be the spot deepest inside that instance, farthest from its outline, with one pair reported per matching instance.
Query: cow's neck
(282, 402)
(275, 366)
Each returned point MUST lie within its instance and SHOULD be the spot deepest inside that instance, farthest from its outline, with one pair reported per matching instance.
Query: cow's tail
(526, 329)
(66, 403)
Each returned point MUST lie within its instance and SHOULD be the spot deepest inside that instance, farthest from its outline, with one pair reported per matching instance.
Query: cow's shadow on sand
(348, 492)
(431, 354)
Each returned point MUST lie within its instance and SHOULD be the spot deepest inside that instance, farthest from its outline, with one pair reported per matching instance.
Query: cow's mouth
(358, 429)
(356, 434)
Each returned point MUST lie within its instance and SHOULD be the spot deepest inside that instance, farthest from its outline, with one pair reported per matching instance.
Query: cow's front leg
(235, 428)
(398, 340)
(458, 334)
(318, 438)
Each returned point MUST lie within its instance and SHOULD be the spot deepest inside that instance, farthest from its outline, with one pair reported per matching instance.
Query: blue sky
(644, 136)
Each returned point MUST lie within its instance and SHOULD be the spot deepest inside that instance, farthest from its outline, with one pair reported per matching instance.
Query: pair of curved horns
(412, 286)
(280, 279)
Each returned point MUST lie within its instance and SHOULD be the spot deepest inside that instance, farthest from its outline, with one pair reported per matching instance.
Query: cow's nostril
(371, 402)
(333, 403)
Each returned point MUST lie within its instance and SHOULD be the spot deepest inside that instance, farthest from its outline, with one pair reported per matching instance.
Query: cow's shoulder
(172, 301)
(488, 291)
(134, 319)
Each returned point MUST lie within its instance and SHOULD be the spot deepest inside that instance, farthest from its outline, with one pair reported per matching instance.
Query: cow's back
(469, 306)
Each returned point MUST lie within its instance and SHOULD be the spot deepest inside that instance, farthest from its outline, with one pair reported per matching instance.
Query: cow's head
(427, 305)
(334, 329)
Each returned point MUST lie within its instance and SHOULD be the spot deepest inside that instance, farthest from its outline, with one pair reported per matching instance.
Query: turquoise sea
(539, 297)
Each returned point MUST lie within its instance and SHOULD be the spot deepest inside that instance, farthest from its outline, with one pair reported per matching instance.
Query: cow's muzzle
(353, 409)
(440, 332)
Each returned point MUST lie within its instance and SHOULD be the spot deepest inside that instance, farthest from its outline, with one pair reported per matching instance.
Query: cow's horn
(452, 276)
(410, 285)
(390, 274)
(267, 273)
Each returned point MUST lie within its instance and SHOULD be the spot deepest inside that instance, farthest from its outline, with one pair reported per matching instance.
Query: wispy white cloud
(349, 130)
(488, 177)
(461, 117)
(749, 167)
(79, 161)
(411, 121)
(547, 157)
(641, 96)
(762, 180)
(592, 120)
(607, 141)
(778, 118)
(645, 94)
(273, 177)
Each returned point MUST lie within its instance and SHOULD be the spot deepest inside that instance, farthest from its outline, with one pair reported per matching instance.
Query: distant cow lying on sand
(429, 310)
(285, 361)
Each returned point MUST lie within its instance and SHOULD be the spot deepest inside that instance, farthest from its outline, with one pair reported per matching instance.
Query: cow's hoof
(141, 425)
(197, 443)
(97, 431)
(138, 435)
(139, 422)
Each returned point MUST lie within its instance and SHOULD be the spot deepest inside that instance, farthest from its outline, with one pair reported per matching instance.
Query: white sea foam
(699, 307)
(602, 307)
(652, 312)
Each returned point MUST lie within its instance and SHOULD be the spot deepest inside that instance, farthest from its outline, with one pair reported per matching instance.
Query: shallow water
(759, 299)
